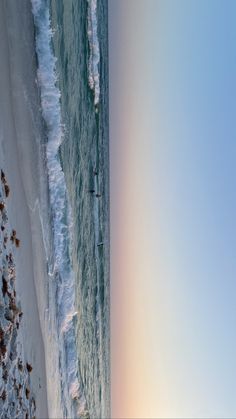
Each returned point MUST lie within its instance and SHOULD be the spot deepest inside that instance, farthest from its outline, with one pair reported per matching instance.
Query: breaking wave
(71, 389)
(94, 57)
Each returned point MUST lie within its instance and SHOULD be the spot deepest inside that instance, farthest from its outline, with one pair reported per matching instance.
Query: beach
(54, 148)
(20, 128)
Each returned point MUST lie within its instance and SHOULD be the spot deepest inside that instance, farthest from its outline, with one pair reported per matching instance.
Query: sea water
(72, 54)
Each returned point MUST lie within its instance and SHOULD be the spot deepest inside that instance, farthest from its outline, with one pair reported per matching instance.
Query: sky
(172, 71)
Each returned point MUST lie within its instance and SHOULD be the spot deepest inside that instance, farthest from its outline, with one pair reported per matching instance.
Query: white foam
(70, 384)
(94, 57)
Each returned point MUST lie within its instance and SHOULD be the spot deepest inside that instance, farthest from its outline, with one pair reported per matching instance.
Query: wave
(71, 388)
(94, 56)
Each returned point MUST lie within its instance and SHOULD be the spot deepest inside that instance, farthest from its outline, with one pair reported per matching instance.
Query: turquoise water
(74, 94)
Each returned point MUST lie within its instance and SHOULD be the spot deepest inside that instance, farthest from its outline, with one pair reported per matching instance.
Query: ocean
(71, 40)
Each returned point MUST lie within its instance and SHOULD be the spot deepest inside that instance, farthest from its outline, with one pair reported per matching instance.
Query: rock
(1, 334)
(7, 190)
(4, 286)
(29, 367)
(5, 375)
(3, 350)
(27, 393)
(17, 242)
(3, 395)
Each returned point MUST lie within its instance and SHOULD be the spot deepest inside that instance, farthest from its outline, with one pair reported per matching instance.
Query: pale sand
(19, 160)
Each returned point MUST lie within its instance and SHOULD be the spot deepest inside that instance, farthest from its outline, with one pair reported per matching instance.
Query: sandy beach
(61, 276)
(19, 127)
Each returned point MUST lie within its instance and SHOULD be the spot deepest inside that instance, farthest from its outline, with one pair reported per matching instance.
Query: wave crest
(71, 388)
(94, 57)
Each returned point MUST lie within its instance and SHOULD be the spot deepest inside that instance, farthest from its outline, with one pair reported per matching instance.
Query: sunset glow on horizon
(173, 234)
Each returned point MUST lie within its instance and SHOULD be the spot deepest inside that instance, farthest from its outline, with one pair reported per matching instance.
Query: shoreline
(20, 128)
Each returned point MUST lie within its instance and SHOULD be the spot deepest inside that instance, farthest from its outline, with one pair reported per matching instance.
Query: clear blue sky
(173, 208)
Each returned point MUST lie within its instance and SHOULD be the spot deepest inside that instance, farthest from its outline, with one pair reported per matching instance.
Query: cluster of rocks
(16, 398)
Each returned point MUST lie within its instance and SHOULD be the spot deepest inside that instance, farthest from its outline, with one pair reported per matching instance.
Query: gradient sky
(173, 208)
